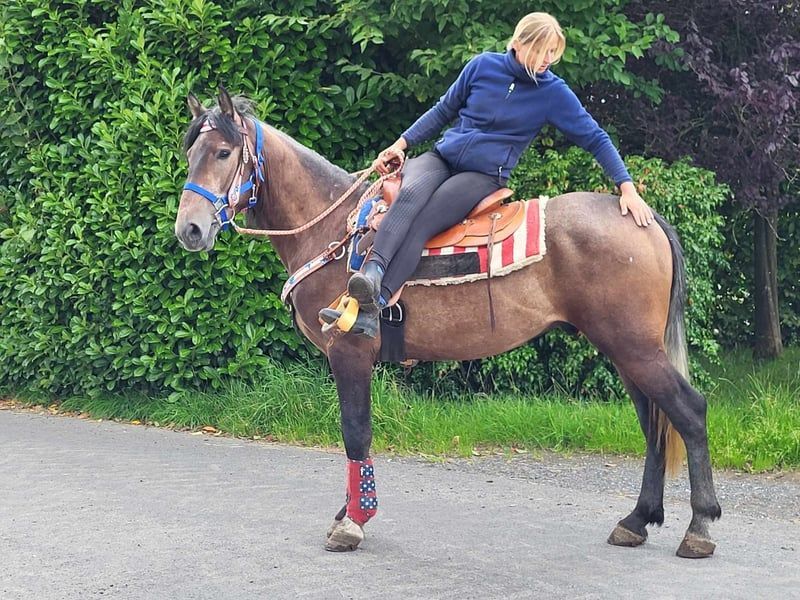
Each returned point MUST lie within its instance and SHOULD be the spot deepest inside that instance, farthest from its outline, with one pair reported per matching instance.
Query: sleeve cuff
(409, 138)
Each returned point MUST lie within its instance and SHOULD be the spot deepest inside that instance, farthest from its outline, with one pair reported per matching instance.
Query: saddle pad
(459, 264)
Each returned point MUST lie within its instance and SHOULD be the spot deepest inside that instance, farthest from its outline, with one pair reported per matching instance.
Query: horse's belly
(455, 322)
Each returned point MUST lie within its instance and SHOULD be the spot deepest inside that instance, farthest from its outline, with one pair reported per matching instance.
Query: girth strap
(490, 244)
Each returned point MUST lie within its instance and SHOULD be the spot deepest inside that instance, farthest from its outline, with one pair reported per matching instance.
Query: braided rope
(363, 176)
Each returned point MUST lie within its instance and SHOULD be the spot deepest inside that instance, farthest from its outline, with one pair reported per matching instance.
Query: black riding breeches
(432, 198)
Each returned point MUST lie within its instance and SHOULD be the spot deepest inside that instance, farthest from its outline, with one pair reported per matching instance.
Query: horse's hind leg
(686, 409)
(632, 530)
(351, 361)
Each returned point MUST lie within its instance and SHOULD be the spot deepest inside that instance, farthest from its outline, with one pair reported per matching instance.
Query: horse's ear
(195, 106)
(225, 103)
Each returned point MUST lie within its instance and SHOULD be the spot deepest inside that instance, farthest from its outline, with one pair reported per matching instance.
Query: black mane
(223, 123)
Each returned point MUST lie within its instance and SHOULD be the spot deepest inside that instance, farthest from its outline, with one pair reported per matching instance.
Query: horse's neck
(299, 186)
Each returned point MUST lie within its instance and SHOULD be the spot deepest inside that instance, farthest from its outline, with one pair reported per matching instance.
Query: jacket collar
(518, 71)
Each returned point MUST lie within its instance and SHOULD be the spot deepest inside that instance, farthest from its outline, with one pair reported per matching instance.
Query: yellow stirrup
(349, 313)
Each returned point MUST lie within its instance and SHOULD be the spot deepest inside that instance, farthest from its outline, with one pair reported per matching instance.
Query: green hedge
(95, 292)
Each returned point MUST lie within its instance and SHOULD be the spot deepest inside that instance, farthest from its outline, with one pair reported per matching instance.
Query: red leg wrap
(362, 500)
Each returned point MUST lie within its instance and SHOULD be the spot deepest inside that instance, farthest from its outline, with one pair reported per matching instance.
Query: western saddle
(489, 222)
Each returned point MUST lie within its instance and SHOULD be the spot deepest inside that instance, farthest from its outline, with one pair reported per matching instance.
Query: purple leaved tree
(732, 92)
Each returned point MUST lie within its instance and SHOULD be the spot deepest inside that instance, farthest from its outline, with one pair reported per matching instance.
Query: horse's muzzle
(193, 237)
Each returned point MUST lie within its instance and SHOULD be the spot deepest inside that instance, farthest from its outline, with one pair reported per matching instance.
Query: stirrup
(349, 318)
(347, 310)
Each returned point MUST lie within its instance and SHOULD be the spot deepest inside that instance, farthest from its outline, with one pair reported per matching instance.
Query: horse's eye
(223, 154)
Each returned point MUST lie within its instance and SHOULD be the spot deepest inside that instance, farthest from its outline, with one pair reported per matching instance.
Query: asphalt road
(106, 510)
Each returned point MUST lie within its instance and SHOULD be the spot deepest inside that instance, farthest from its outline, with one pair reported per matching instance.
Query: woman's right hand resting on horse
(393, 152)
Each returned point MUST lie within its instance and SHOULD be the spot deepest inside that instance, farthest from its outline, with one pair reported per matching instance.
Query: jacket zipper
(510, 89)
(501, 167)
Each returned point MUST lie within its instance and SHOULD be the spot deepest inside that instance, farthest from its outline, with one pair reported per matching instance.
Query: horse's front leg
(351, 359)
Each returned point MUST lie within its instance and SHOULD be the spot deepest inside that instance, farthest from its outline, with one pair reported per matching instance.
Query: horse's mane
(315, 163)
(223, 123)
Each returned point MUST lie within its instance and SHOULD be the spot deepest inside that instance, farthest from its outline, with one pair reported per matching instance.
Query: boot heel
(360, 288)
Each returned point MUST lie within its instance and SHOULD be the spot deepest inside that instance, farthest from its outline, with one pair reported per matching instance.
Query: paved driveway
(105, 510)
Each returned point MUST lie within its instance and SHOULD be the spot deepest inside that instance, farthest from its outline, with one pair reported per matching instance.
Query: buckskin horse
(621, 285)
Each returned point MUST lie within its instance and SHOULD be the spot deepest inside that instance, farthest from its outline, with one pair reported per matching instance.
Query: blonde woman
(499, 102)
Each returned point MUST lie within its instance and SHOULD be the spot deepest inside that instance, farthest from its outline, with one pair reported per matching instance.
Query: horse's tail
(677, 351)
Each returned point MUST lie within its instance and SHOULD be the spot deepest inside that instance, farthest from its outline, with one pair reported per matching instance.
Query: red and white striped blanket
(457, 264)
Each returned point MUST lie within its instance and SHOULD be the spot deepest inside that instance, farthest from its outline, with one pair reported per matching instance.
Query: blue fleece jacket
(500, 111)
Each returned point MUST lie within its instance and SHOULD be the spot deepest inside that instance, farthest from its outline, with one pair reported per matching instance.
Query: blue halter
(223, 202)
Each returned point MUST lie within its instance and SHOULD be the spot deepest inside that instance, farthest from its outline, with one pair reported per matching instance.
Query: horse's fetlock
(715, 512)
(707, 509)
(656, 516)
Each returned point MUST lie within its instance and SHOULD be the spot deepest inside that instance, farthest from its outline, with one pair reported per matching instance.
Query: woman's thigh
(452, 201)
(448, 205)
(424, 163)
(421, 177)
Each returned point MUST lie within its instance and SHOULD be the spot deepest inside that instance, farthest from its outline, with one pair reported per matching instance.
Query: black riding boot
(365, 286)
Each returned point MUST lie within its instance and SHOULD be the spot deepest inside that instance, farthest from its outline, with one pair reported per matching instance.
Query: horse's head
(224, 169)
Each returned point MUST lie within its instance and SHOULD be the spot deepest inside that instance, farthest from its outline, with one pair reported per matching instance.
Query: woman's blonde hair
(540, 32)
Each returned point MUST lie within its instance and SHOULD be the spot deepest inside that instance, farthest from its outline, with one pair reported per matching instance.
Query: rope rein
(363, 175)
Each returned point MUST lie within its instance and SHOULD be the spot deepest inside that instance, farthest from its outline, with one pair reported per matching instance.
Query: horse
(622, 286)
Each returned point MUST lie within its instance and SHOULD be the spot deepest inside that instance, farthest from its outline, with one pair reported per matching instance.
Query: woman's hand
(393, 152)
(630, 200)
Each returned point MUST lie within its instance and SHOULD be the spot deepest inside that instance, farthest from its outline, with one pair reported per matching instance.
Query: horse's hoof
(344, 536)
(694, 546)
(333, 526)
(622, 536)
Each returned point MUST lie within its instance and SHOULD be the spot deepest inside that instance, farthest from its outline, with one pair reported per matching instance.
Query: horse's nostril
(193, 233)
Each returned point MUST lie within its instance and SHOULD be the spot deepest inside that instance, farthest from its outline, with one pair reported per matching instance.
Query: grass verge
(754, 415)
